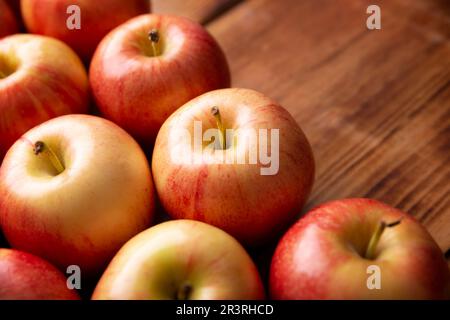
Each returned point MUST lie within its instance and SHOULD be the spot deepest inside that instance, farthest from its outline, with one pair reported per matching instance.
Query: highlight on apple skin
(327, 255)
(237, 198)
(49, 17)
(73, 190)
(24, 276)
(148, 67)
(8, 22)
(181, 260)
(40, 78)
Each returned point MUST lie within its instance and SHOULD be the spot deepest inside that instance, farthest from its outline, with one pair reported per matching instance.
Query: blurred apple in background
(181, 260)
(73, 190)
(8, 22)
(15, 7)
(49, 17)
(326, 255)
(238, 198)
(148, 67)
(40, 78)
(26, 277)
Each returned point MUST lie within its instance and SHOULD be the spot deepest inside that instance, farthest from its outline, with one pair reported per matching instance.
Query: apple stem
(184, 292)
(41, 147)
(371, 248)
(153, 35)
(216, 113)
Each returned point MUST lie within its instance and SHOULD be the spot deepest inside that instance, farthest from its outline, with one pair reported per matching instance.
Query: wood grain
(374, 104)
(201, 11)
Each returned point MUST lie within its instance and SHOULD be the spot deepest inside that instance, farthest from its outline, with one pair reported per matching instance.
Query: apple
(40, 78)
(337, 250)
(251, 200)
(8, 23)
(182, 260)
(24, 276)
(97, 18)
(73, 190)
(148, 67)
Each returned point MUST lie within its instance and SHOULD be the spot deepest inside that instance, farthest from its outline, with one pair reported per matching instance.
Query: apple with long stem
(40, 78)
(8, 22)
(251, 179)
(358, 249)
(96, 18)
(181, 260)
(150, 66)
(73, 190)
(24, 276)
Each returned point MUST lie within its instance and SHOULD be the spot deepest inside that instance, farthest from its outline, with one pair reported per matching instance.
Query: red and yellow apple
(239, 197)
(182, 260)
(97, 18)
(148, 67)
(8, 23)
(334, 251)
(24, 276)
(40, 78)
(73, 190)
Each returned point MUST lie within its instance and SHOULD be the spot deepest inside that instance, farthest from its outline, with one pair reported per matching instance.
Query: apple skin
(84, 215)
(253, 208)
(46, 80)
(8, 23)
(48, 17)
(24, 276)
(15, 6)
(321, 256)
(138, 91)
(156, 263)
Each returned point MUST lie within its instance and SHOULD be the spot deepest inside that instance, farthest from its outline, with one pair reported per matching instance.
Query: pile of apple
(78, 189)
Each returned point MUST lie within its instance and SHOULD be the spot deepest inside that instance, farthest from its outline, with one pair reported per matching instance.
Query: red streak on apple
(199, 193)
(24, 276)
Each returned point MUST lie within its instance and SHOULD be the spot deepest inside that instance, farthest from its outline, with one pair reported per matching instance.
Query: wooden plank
(374, 104)
(201, 11)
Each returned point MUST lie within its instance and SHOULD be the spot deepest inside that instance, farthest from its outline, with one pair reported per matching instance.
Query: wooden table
(375, 105)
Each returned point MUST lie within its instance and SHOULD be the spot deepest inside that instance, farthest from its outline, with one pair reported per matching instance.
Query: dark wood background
(375, 105)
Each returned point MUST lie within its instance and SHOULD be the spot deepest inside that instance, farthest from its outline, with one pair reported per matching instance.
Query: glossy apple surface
(26, 277)
(323, 256)
(137, 89)
(49, 17)
(182, 259)
(40, 78)
(8, 23)
(83, 215)
(235, 197)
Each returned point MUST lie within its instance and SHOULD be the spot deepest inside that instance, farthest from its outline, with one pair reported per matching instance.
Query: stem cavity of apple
(216, 113)
(371, 248)
(184, 292)
(41, 148)
(153, 35)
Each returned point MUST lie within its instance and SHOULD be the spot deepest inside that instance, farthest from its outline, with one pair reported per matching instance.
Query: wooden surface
(202, 11)
(375, 105)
